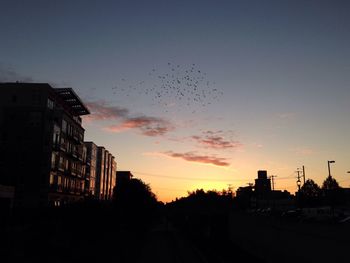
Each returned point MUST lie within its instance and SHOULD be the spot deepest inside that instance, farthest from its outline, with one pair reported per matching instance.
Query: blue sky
(280, 70)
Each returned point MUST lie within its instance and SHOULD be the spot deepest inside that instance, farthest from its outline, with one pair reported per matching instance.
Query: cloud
(149, 126)
(215, 140)
(100, 111)
(194, 157)
(8, 74)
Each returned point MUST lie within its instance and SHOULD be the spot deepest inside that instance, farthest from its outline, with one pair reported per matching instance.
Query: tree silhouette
(135, 199)
(331, 191)
(310, 193)
(330, 183)
(310, 189)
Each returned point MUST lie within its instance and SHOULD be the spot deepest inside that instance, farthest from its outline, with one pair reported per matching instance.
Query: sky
(196, 94)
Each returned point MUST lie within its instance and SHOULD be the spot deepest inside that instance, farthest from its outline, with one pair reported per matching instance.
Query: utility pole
(304, 174)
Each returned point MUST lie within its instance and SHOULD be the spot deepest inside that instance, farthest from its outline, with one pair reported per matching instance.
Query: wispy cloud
(149, 126)
(100, 111)
(216, 140)
(194, 157)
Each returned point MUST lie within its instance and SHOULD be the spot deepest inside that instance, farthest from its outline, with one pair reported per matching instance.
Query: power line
(191, 178)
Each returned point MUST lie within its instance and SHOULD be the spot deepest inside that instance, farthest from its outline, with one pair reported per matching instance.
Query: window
(66, 165)
(66, 183)
(64, 126)
(53, 160)
(50, 104)
(52, 179)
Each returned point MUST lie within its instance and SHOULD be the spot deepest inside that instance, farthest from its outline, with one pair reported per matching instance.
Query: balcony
(73, 172)
(76, 138)
(63, 147)
(61, 167)
(75, 154)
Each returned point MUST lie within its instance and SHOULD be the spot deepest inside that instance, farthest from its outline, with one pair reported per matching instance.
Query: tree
(135, 199)
(330, 183)
(310, 193)
(310, 189)
(331, 191)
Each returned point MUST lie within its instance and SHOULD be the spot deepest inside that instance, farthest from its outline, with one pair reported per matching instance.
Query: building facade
(41, 139)
(91, 166)
(101, 172)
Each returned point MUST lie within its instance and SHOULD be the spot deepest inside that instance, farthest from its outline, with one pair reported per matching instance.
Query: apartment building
(101, 172)
(41, 140)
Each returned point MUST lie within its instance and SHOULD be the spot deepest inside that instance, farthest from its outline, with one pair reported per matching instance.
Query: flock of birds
(173, 85)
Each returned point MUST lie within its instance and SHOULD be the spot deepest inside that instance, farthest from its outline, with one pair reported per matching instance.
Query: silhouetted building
(41, 140)
(245, 196)
(105, 174)
(123, 177)
(91, 166)
(7, 197)
(262, 184)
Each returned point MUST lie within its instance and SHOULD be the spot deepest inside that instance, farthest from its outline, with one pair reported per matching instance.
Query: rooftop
(73, 100)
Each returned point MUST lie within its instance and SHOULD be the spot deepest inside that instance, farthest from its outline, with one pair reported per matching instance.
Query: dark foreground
(101, 235)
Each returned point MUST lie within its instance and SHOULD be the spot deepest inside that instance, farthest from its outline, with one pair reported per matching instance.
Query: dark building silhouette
(123, 177)
(261, 196)
(7, 195)
(41, 140)
(262, 184)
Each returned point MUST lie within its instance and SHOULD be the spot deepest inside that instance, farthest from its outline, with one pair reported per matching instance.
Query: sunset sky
(196, 94)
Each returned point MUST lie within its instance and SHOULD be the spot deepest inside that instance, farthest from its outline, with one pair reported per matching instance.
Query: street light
(329, 168)
(298, 183)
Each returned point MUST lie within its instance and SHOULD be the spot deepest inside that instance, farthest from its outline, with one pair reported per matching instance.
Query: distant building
(41, 140)
(262, 184)
(105, 174)
(261, 196)
(123, 177)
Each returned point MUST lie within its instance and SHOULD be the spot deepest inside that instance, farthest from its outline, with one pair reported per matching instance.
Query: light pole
(298, 184)
(329, 167)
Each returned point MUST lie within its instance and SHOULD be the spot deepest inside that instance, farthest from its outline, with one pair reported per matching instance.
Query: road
(165, 244)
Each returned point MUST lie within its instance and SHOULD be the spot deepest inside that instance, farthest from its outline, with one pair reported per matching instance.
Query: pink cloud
(100, 111)
(194, 157)
(215, 140)
(149, 126)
